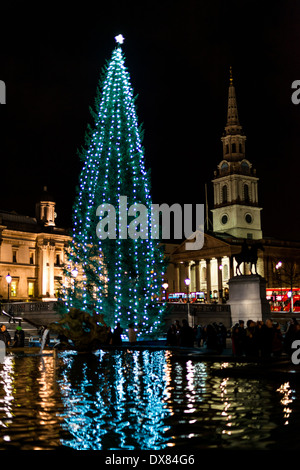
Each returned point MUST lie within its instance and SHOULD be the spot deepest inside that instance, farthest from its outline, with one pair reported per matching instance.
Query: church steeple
(236, 210)
(232, 111)
(233, 137)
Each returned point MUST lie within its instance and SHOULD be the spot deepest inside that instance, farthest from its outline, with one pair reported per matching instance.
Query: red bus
(280, 299)
(182, 297)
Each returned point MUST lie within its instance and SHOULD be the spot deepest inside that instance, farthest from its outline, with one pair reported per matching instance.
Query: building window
(31, 257)
(246, 193)
(233, 148)
(14, 288)
(245, 167)
(57, 286)
(224, 194)
(31, 285)
(224, 168)
(14, 256)
(57, 261)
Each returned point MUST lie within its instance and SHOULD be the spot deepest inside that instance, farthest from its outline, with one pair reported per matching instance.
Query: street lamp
(187, 283)
(8, 280)
(278, 266)
(74, 273)
(165, 287)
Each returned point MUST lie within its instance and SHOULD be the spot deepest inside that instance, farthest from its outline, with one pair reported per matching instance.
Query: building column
(51, 270)
(208, 280)
(231, 268)
(220, 280)
(43, 271)
(177, 277)
(197, 274)
(187, 270)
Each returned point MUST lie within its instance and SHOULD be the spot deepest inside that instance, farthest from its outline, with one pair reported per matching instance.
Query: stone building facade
(32, 253)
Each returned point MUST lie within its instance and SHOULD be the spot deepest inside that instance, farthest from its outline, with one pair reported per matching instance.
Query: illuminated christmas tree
(120, 267)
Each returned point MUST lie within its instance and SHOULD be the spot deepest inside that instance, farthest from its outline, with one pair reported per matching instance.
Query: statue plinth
(247, 298)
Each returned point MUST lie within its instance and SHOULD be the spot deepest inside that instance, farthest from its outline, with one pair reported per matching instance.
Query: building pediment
(212, 247)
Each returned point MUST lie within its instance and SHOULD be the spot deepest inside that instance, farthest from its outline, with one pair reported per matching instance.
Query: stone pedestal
(247, 298)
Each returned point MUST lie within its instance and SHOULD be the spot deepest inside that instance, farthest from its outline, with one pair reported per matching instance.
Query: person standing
(19, 338)
(116, 337)
(172, 336)
(131, 333)
(186, 335)
(4, 335)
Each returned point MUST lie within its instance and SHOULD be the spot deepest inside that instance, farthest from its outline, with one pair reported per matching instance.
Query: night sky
(178, 54)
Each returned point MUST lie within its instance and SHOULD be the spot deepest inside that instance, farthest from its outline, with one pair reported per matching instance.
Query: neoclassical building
(236, 219)
(32, 253)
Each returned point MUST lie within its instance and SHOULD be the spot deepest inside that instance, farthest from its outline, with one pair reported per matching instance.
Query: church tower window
(224, 168)
(246, 193)
(245, 167)
(224, 194)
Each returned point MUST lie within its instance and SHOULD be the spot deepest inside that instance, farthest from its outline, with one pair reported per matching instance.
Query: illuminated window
(57, 286)
(30, 288)
(14, 288)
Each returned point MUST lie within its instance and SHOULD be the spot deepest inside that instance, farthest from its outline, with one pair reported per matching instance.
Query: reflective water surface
(148, 400)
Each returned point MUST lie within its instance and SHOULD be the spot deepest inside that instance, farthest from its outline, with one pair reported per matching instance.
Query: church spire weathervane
(230, 76)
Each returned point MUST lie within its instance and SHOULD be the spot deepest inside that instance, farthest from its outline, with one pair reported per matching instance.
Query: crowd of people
(253, 339)
(213, 335)
(264, 339)
(18, 340)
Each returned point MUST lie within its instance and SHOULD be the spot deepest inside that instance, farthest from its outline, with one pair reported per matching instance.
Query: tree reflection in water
(141, 399)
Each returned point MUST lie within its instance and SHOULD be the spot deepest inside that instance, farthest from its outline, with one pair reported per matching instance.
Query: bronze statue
(248, 255)
(87, 332)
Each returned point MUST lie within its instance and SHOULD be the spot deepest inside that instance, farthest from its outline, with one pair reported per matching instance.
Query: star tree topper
(119, 39)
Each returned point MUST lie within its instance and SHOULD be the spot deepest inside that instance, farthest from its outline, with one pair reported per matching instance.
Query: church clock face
(224, 219)
(248, 218)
